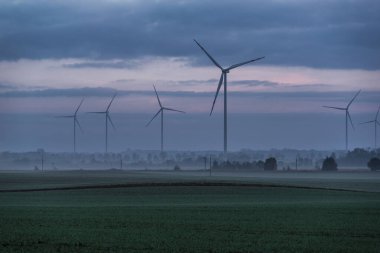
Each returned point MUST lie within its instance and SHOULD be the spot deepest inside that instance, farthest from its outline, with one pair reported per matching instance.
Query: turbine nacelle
(376, 123)
(223, 77)
(76, 122)
(161, 110)
(108, 118)
(348, 116)
(225, 71)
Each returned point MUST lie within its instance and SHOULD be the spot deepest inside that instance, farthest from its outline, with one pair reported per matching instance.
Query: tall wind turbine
(223, 76)
(161, 111)
(108, 118)
(75, 122)
(348, 116)
(375, 123)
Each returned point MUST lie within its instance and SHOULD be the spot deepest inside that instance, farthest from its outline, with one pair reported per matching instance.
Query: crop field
(118, 211)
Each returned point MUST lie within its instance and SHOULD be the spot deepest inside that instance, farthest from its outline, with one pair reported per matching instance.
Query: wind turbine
(348, 116)
(375, 122)
(75, 122)
(108, 118)
(161, 110)
(223, 76)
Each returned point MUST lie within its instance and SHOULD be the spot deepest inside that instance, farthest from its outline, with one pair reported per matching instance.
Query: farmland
(118, 211)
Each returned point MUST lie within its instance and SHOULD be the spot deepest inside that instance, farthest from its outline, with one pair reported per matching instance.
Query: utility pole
(297, 162)
(42, 160)
(210, 165)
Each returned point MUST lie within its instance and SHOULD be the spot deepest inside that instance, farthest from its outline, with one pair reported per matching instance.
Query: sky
(53, 53)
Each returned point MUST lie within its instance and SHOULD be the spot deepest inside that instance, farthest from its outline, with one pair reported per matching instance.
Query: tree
(270, 164)
(260, 164)
(329, 164)
(374, 164)
(177, 168)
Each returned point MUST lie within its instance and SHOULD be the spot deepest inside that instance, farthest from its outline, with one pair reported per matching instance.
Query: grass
(187, 219)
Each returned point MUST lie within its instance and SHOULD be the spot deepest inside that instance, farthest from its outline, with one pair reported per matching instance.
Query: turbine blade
(243, 63)
(81, 102)
(378, 122)
(158, 98)
(80, 127)
(217, 92)
(377, 114)
(153, 117)
(174, 110)
(349, 116)
(352, 100)
(108, 107)
(109, 118)
(367, 122)
(209, 56)
(337, 108)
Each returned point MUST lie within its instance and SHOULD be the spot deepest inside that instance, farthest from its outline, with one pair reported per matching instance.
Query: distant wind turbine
(75, 122)
(375, 123)
(108, 118)
(161, 110)
(348, 116)
(223, 76)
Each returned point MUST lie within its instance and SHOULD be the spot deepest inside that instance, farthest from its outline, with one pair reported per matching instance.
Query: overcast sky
(52, 53)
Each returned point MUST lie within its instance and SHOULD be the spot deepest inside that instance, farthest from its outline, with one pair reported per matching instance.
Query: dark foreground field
(197, 217)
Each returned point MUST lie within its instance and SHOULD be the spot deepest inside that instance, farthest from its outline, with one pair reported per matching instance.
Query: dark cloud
(73, 92)
(254, 83)
(324, 34)
(102, 64)
(245, 83)
(9, 87)
(6, 86)
(196, 82)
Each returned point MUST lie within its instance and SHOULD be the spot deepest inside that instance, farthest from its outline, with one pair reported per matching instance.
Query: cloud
(254, 83)
(101, 64)
(324, 34)
(6, 86)
(245, 84)
(73, 92)
(10, 87)
(369, 96)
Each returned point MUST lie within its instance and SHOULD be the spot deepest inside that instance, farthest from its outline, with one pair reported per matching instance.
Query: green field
(189, 212)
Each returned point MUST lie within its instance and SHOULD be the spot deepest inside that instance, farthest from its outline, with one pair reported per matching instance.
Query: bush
(329, 164)
(270, 164)
(374, 164)
(260, 164)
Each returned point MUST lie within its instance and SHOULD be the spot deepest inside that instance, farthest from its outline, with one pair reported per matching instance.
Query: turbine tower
(75, 122)
(223, 77)
(108, 118)
(161, 111)
(375, 123)
(348, 116)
